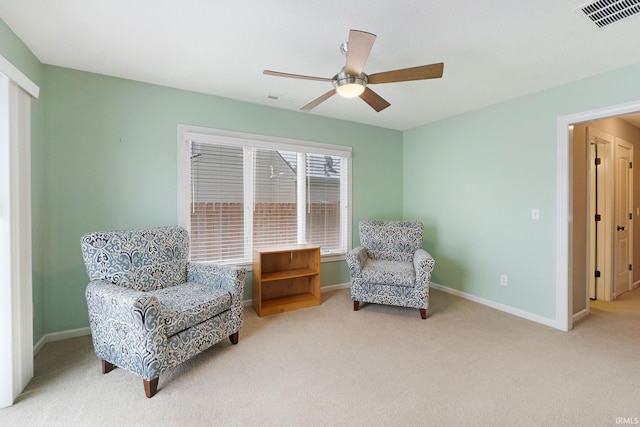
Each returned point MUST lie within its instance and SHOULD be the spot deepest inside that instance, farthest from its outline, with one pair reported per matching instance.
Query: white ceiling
(493, 50)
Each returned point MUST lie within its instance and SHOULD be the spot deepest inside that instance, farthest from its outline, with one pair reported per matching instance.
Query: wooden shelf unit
(285, 278)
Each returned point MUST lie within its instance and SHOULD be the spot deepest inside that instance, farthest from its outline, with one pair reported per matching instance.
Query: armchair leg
(107, 367)
(151, 387)
(356, 305)
(234, 338)
(423, 313)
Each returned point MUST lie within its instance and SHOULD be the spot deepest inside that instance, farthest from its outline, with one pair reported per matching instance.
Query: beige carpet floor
(466, 365)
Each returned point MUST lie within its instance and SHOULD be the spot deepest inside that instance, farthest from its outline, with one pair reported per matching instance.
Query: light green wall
(111, 163)
(473, 180)
(15, 51)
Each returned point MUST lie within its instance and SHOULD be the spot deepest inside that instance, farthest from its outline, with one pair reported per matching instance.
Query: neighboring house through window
(239, 191)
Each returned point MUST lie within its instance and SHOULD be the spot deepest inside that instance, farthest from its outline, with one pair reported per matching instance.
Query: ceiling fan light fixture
(350, 86)
(350, 90)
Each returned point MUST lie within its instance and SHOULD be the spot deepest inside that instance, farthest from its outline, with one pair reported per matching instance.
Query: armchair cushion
(194, 303)
(143, 260)
(391, 240)
(384, 272)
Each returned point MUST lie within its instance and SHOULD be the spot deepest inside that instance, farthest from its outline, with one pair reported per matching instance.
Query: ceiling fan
(351, 81)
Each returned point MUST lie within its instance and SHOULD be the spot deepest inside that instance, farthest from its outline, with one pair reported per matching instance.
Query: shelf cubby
(286, 278)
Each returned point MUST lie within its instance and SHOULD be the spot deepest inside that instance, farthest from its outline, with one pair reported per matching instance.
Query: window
(240, 191)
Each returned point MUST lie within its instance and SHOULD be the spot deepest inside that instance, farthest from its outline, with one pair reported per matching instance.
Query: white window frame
(188, 133)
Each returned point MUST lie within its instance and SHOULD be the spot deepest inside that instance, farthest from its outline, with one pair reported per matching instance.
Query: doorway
(572, 235)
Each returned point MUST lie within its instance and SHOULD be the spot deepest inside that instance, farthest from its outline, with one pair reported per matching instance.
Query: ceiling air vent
(605, 12)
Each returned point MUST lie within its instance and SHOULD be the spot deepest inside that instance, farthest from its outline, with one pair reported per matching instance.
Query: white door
(623, 214)
(601, 216)
(594, 226)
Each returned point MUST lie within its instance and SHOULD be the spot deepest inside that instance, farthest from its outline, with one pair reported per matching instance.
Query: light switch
(535, 213)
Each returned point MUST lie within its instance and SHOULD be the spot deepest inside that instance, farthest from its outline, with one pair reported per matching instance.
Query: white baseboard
(335, 287)
(57, 336)
(507, 309)
(580, 315)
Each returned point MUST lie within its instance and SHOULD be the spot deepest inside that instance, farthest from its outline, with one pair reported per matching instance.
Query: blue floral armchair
(151, 309)
(390, 267)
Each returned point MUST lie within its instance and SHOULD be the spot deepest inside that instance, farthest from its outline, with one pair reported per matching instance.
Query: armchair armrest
(127, 327)
(423, 263)
(356, 259)
(228, 277)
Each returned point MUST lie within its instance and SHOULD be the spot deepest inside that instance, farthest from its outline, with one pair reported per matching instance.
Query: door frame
(564, 292)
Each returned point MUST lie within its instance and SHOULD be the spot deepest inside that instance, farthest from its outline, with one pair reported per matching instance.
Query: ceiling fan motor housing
(349, 85)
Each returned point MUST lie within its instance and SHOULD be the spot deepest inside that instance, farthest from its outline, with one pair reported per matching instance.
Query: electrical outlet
(504, 280)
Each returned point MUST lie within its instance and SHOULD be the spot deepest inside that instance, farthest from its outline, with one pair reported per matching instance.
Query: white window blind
(217, 203)
(255, 192)
(275, 220)
(324, 208)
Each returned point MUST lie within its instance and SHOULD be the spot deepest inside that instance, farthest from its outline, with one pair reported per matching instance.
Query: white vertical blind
(16, 310)
(6, 303)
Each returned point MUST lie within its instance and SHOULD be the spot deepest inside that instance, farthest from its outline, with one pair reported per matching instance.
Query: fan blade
(319, 100)
(433, 71)
(374, 100)
(360, 44)
(295, 76)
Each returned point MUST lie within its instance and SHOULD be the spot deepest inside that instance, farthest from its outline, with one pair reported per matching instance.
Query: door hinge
(630, 165)
(598, 217)
(630, 267)
(598, 160)
(597, 273)
(630, 215)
